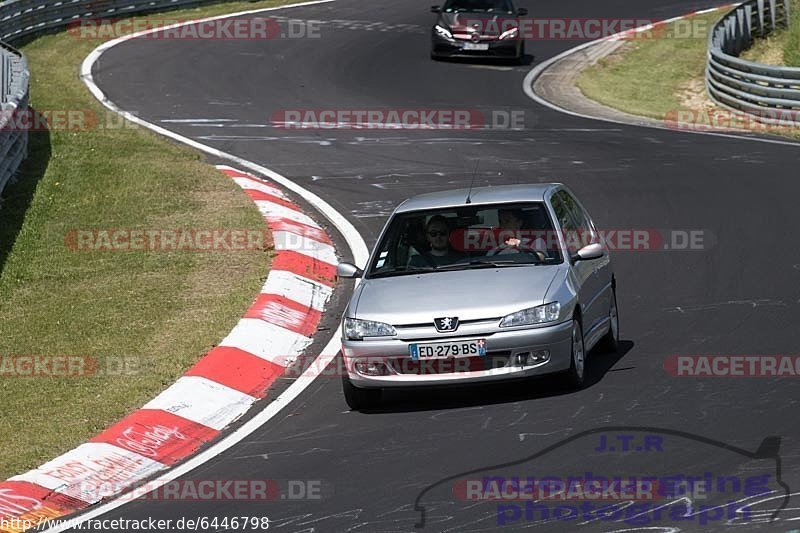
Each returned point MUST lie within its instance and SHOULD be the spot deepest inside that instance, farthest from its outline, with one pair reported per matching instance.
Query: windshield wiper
(402, 271)
(483, 263)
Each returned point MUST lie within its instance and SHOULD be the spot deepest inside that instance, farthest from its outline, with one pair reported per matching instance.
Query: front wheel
(358, 398)
(574, 377)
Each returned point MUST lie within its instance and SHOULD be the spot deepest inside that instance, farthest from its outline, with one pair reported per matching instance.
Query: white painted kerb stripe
(203, 401)
(302, 290)
(80, 473)
(271, 209)
(267, 341)
(256, 185)
(287, 240)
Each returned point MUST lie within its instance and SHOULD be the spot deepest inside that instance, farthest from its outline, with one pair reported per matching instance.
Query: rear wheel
(610, 341)
(574, 377)
(358, 398)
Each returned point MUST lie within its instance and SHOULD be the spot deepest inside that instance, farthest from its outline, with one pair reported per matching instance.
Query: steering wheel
(513, 244)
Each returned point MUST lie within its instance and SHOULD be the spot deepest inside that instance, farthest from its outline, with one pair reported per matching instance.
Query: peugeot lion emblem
(448, 323)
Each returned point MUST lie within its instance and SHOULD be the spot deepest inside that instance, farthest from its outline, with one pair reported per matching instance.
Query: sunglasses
(437, 233)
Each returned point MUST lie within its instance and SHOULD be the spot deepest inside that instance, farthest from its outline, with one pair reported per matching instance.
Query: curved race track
(741, 295)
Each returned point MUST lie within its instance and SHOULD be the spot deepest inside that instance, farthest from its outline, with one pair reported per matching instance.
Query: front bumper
(499, 363)
(441, 47)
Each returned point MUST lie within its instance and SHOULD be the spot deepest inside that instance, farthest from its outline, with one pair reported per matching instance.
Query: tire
(521, 58)
(610, 341)
(574, 377)
(358, 398)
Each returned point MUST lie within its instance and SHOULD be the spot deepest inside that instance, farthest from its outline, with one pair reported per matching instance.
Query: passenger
(437, 234)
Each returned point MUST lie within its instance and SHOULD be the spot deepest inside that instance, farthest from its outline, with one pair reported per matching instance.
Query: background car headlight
(533, 315)
(355, 329)
(443, 32)
(513, 33)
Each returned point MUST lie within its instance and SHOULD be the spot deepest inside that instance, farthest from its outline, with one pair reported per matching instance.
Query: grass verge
(160, 310)
(791, 49)
(663, 78)
(781, 47)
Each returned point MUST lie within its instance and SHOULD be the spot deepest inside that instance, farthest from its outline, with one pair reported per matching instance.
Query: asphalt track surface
(385, 470)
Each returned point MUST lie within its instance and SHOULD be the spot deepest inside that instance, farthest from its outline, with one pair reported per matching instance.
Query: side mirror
(348, 270)
(436, 9)
(521, 12)
(589, 252)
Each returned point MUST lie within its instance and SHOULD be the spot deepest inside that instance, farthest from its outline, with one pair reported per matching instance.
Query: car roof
(528, 192)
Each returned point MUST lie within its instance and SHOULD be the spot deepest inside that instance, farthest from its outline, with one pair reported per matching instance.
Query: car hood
(468, 294)
(460, 22)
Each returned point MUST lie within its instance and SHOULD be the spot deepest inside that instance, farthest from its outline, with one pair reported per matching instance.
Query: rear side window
(582, 220)
(574, 222)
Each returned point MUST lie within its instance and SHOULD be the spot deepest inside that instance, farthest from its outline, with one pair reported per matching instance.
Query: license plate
(473, 348)
(476, 46)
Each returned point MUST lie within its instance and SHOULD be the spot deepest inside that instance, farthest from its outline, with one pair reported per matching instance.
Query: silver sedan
(475, 286)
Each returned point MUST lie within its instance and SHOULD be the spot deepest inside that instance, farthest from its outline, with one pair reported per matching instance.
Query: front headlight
(443, 32)
(533, 315)
(355, 329)
(513, 33)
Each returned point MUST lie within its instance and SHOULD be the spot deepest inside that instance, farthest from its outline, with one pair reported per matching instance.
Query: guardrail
(770, 93)
(13, 100)
(20, 19)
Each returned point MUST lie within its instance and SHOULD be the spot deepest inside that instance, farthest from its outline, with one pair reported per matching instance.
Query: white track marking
(265, 340)
(76, 472)
(203, 401)
(297, 288)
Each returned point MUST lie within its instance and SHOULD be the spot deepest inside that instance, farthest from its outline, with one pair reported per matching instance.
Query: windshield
(467, 237)
(478, 6)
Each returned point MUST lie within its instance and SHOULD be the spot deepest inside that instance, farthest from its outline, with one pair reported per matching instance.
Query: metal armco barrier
(14, 87)
(770, 93)
(24, 18)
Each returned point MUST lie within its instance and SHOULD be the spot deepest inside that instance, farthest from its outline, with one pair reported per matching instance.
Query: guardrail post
(761, 17)
(743, 39)
(773, 15)
(3, 84)
(748, 19)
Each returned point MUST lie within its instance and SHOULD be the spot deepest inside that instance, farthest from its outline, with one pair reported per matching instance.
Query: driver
(512, 219)
(437, 234)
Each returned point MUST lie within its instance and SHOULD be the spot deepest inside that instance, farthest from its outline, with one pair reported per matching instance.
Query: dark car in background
(478, 28)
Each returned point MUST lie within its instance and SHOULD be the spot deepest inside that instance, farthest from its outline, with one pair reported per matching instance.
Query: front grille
(406, 365)
(429, 324)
